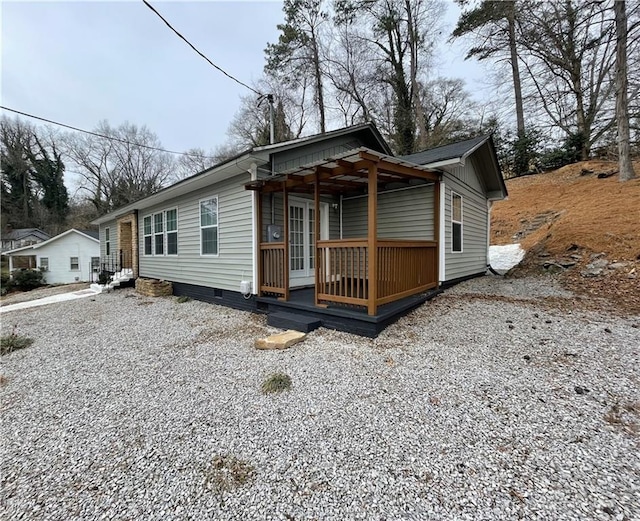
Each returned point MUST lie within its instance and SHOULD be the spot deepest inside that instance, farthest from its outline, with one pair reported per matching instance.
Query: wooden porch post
(285, 228)
(436, 229)
(316, 235)
(258, 239)
(372, 240)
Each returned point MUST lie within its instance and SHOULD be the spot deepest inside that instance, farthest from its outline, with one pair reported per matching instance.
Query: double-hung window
(74, 263)
(158, 233)
(456, 222)
(209, 226)
(148, 236)
(172, 231)
(44, 263)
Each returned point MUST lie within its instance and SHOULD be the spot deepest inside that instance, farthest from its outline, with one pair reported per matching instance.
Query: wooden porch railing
(273, 268)
(404, 268)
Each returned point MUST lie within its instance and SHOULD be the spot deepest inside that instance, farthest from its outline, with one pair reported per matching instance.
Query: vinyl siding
(314, 152)
(473, 258)
(235, 253)
(113, 236)
(402, 214)
(59, 254)
(277, 215)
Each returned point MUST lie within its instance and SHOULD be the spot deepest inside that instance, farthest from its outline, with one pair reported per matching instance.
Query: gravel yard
(499, 399)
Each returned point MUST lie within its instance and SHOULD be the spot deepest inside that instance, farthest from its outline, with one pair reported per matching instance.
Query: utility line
(196, 50)
(112, 138)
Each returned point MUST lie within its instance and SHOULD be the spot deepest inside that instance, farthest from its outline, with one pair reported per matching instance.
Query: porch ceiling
(345, 173)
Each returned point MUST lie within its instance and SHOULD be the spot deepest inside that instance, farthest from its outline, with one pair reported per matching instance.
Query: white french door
(302, 240)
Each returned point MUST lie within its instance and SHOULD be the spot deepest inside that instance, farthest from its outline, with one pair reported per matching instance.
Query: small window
(456, 223)
(95, 264)
(158, 233)
(171, 217)
(148, 238)
(75, 264)
(209, 226)
(44, 263)
(107, 242)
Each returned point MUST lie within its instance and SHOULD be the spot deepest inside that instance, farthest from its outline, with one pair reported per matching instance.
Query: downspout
(257, 234)
(489, 208)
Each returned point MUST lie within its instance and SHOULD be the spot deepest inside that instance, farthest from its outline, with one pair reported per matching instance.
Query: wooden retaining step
(283, 320)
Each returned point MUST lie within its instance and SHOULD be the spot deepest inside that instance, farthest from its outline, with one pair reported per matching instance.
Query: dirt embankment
(578, 221)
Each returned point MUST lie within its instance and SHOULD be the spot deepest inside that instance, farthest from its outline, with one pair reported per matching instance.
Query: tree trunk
(622, 110)
(319, 89)
(515, 69)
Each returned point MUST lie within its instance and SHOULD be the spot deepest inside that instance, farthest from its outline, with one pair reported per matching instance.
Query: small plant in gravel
(3, 380)
(227, 472)
(13, 341)
(183, 299)
(276, 383)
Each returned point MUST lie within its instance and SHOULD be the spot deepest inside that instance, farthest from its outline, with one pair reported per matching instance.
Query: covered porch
(361, 274)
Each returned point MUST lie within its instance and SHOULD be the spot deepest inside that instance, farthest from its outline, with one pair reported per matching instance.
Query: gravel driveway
(490, 402)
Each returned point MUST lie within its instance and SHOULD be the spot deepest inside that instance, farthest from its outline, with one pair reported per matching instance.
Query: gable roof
(19, 233)
(53, 239)
(459, 150)
(243, 161)
(365, 128)
(456, 154)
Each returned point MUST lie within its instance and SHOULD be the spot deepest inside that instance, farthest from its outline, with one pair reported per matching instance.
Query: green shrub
(13, 342)
(26, 280)
(182, 299)
(276, 383)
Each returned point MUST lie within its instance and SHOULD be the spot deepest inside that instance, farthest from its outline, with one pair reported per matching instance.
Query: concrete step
(293, 321)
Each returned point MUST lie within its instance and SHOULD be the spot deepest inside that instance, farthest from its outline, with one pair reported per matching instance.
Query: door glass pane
(296, 237)
(312, 237)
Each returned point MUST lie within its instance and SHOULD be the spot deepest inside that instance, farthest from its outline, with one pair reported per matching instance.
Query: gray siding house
(244, 233)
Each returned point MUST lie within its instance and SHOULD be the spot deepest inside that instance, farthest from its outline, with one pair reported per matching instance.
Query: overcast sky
(82, 62)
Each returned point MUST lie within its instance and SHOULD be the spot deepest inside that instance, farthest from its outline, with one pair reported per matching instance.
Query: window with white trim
(171, 217)
(44, 263)
(209, 226)
(456, 223)
(107, 241)
(148, 236)
(158, 234)
(74, 263)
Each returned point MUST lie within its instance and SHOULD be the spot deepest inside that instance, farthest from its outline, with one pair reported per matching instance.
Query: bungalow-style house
(20, 237)
(330, 229)
(72, 256)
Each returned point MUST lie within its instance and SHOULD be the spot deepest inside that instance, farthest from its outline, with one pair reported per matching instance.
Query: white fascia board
(456, 161)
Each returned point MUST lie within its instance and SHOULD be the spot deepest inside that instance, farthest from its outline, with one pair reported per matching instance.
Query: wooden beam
(436, 229)
(316, 236)
(258, 239)
(285, 229)
(401, 170)
(372, 239)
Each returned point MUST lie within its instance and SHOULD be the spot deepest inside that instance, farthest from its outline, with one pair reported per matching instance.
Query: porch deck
(343, 318)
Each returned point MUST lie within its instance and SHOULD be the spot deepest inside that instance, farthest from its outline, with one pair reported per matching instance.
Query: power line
(196, 50)
(112, 138)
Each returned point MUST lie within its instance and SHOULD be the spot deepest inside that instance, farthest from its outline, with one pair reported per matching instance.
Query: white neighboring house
(72, 256)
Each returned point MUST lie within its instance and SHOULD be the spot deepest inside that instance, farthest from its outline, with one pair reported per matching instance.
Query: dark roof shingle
(452, 151)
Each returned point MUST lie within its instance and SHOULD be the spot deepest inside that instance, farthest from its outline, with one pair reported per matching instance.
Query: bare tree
(622, 112)
(123, 166)
(401, 35)
(569, 60)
